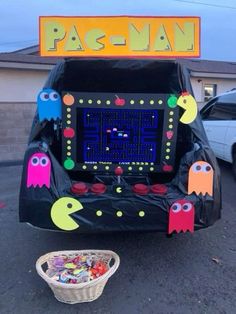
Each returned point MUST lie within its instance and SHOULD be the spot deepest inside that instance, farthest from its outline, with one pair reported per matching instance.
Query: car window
(228, 98)
(223, 109)
(205, 114)
(207, 109)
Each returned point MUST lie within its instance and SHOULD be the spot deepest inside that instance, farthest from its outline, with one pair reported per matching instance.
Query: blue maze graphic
(111, 135)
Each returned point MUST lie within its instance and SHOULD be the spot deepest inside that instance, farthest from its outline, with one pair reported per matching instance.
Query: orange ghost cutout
(188, 103)
(200, 178)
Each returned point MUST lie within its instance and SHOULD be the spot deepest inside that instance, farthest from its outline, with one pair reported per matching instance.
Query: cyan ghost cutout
(49, 105)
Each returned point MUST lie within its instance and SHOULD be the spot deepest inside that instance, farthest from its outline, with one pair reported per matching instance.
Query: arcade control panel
(102, 132)
(119, 188)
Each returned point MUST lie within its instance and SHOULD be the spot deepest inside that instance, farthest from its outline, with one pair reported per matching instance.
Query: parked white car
(219, 120)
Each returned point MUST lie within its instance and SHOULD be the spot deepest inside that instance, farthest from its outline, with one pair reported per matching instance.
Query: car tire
(234, 164)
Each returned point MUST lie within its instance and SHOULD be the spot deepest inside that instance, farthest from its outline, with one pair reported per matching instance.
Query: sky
(19, 19)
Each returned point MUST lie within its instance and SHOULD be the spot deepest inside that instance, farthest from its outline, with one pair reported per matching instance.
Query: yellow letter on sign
(162, 42)
(73, 42)
(54, 32)
(92, 37)
(139, 41)
(184, 40)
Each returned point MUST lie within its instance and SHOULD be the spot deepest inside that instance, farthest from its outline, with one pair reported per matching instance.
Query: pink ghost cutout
(39, 170)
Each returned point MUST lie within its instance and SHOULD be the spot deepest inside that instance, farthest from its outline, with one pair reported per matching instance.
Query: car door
(215, 122)
(229, 104)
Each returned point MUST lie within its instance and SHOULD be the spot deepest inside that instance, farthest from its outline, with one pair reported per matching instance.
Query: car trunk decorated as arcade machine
(117, 144)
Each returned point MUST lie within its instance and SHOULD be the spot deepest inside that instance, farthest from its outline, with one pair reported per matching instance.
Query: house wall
(223, 85)
(19, 89)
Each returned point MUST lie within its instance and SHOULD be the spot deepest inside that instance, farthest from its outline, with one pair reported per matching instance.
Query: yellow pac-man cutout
(61, 210)
(119, 190)
(188, 103)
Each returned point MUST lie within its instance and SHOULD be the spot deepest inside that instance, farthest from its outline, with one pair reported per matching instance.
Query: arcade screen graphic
(104, 130)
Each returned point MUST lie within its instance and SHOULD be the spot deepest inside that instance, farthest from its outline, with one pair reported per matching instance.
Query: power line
(207, 4)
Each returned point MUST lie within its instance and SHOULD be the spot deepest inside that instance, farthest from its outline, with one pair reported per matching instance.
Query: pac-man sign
(120, 36)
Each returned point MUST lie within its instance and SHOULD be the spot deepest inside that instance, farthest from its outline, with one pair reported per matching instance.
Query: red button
(141, 189)
(98, 188)
(79, 188)
(159, 189)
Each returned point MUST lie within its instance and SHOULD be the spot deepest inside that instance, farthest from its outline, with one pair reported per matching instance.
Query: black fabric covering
(131, 75)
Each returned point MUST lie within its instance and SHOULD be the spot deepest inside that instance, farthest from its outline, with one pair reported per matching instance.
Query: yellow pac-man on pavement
(188, 103)
(61, 210)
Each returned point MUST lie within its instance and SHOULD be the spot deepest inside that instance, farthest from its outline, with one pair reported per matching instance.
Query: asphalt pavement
(183, 274)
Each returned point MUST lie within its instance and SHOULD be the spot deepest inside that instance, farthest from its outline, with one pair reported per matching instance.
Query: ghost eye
(197, 168)
(53, 96)
(206, 168)
(44, 96)
(35, 161)
(44, 161)
(176, 207)
(187, 207)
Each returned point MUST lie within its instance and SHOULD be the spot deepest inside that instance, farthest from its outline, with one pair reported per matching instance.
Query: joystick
(118, 187)
(118, 172)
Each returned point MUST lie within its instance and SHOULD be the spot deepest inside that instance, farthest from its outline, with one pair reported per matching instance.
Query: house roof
(197, 67)
(25, 61)
(32, 50)
(209, 66)
(24, 58)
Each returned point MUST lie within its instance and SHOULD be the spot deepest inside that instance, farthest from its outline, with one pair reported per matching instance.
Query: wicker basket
(81, 292)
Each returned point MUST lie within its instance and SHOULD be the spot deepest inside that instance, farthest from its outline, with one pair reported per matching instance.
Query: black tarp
(126, 76)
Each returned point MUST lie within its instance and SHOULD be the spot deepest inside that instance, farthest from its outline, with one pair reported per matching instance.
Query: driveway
(184, 274)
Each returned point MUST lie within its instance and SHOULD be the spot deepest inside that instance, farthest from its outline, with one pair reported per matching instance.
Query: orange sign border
(196, 54)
